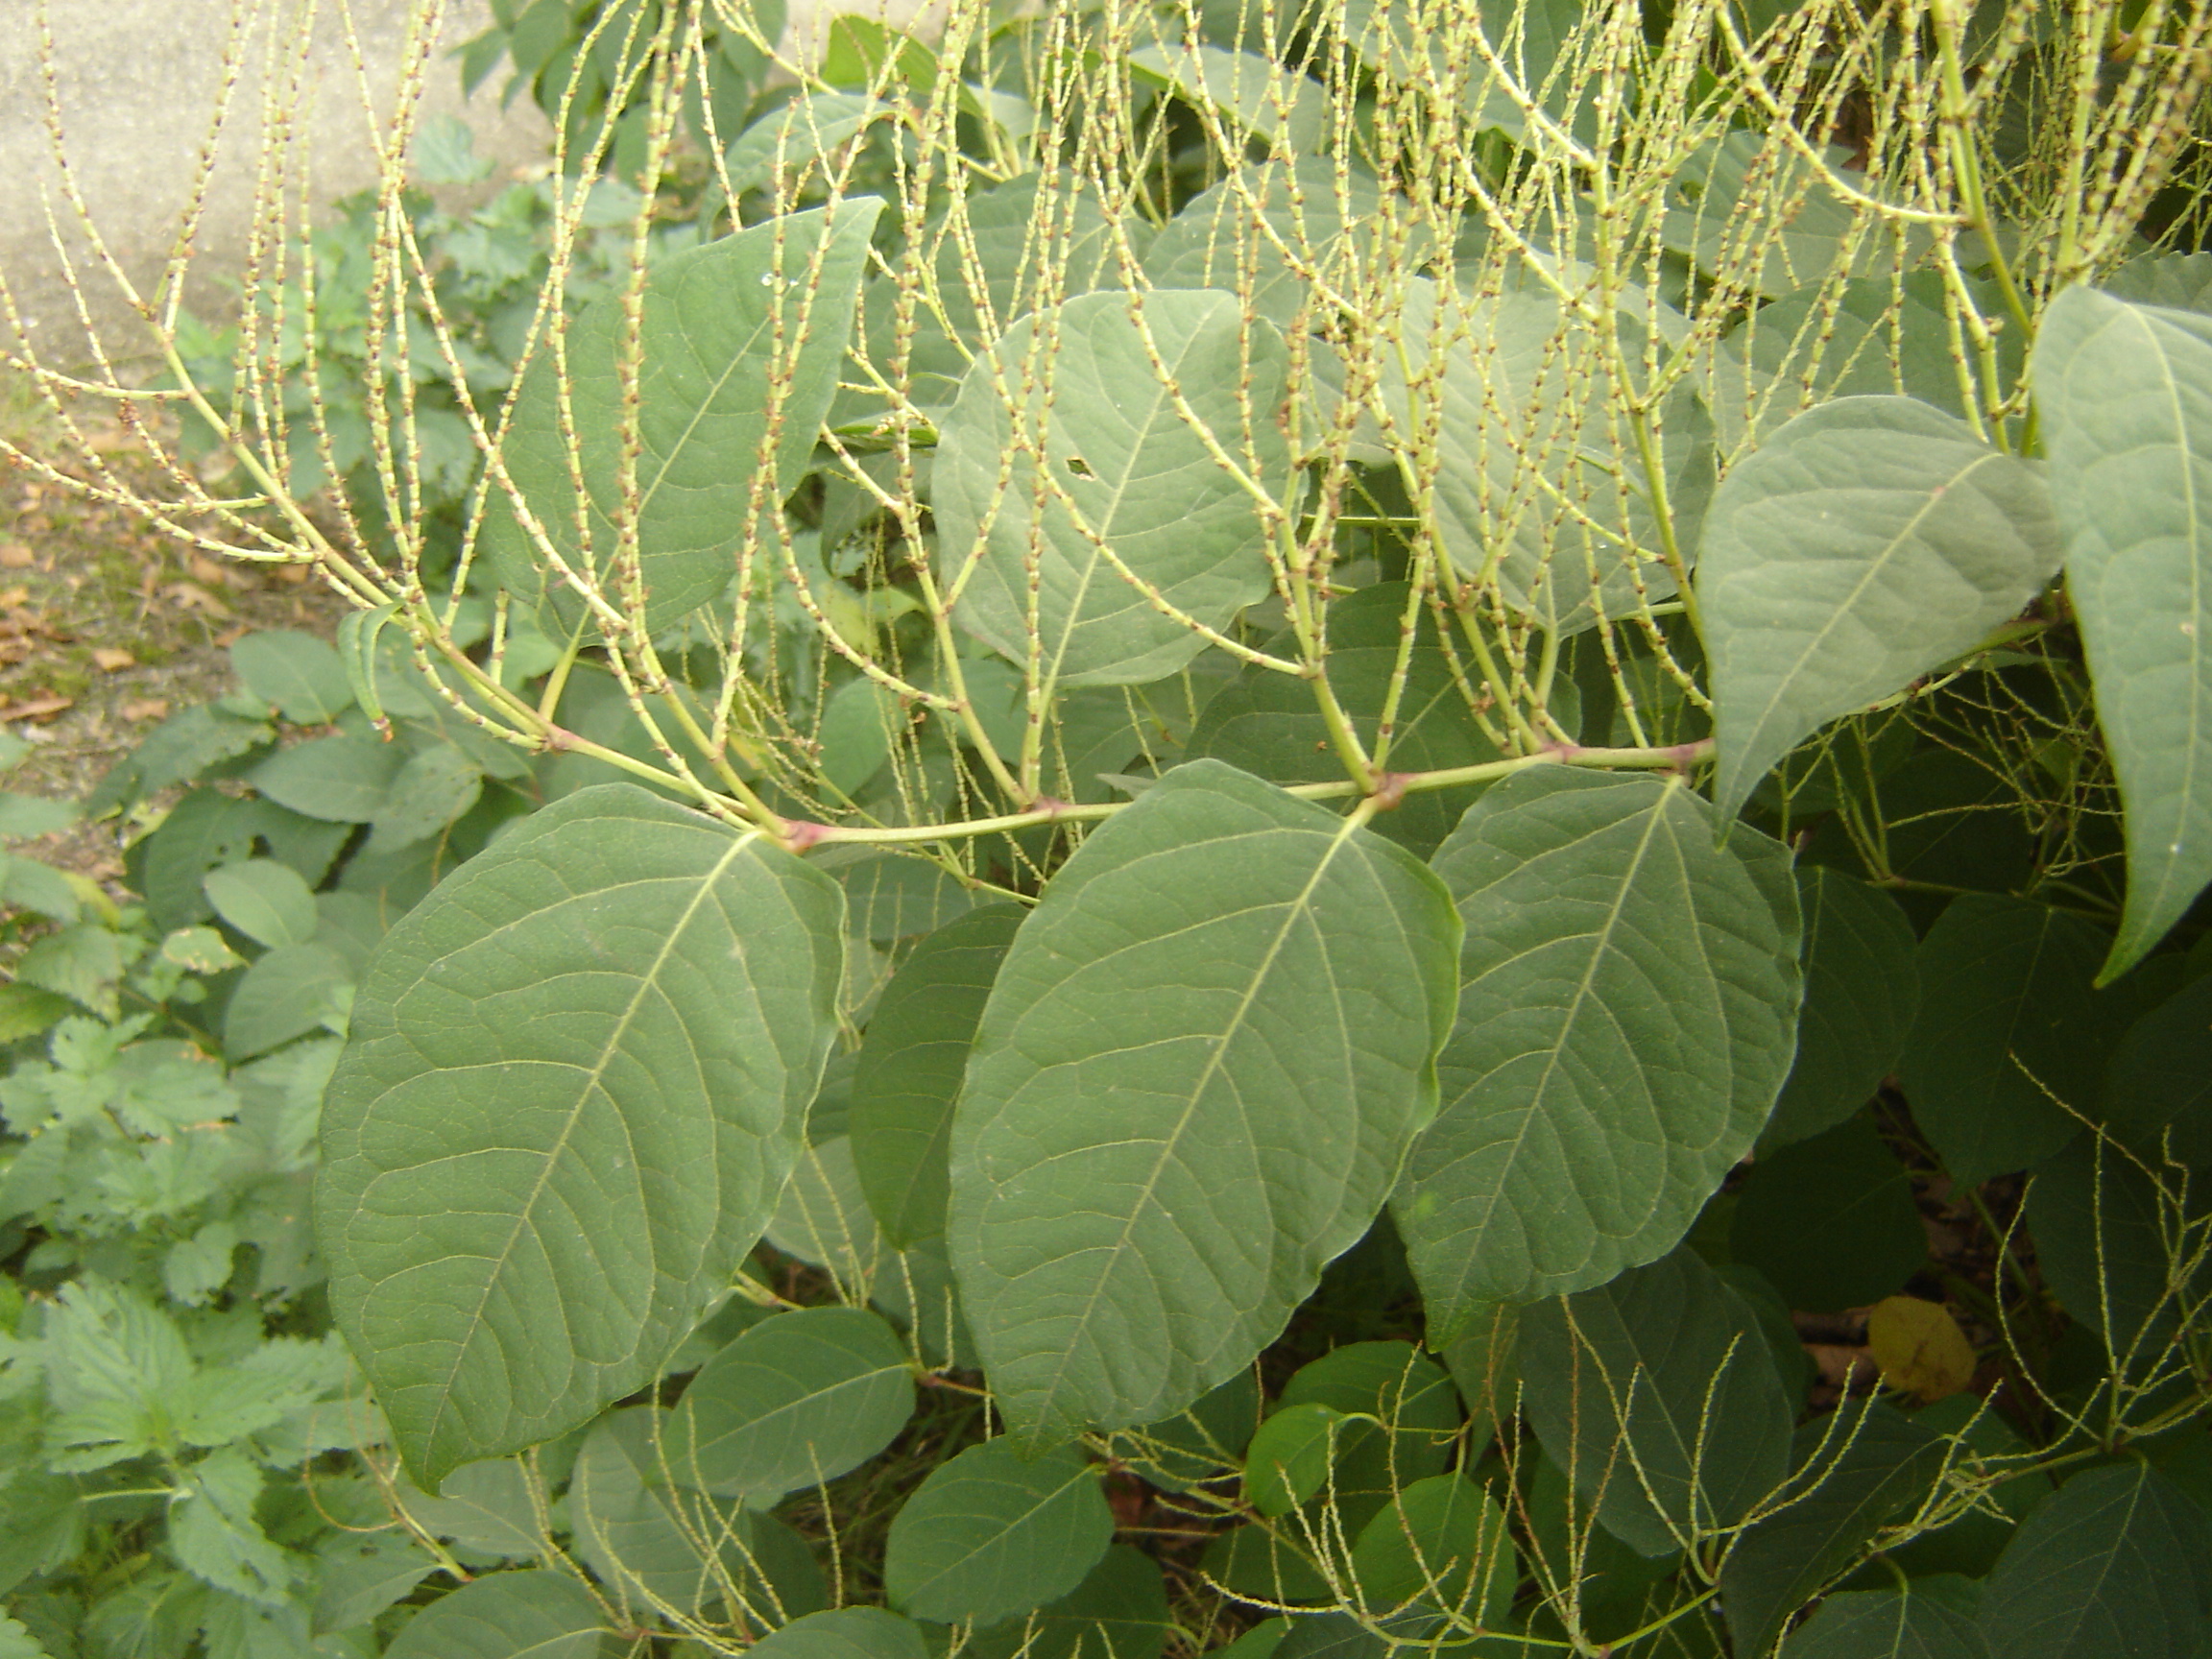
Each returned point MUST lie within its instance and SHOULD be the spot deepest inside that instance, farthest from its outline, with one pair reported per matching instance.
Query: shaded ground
(105, 626)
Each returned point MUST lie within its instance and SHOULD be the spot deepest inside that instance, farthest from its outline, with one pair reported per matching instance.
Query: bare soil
(108, 626)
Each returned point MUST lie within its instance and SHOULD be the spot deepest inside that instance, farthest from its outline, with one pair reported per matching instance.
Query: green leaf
(654, 1543)
(1534, 474)
(1129, 1224)
(1830, 1221)
(1862, 993)
(2119, 1560)
(1658, 1391)
(215, 1537)
(860, 723)
(2125, 395)
(1855, 1473)
(1288, 1459)
(2158, 1090)
(1118, 1612)
(26, 884)
(288, 993)
(910, 1065)
(2108, 1245)
(534, 1614)
(17, 1642)
(299, 675)
(643, 1001)
(264, 900)
(485, 1506)
(361, 1574)
(844, 1633)
(896, 896)
(1249, 93)
(340, 780)
(436, 785)
(1416, 1420)
(810, 126)
(1603, 928)
(794, 1400)
(990, 1534)
(719, 325)
(1244, 233)
(1268, 725)
(25, 817)
(1885, 1625)
(1206, 1441)
(1112, 482)
(1866, 543)
(25, 1011)
(1441, 1543)
(82, 962)
(2007, 1022)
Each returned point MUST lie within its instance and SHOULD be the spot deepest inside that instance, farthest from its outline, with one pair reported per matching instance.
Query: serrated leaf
(296, 674)
(534, 1614)
(82, 962)
(1885, 1625)
(910, 1065)
(1830, 1221)
(1130, 1225)
(2007, 1029)
(1603, 928)
(26, 884)
(719, 325)
(2125, 395)
(644, 1001)
(844, 1633)
(2119, 1560)
(214, 1535)
(1856, 1472)
(1862, 994)
(1120, 1611)
(17, 1642)
(264, 900)
(1866, 543)
(1658, 1391)
(340, 780)
(796, 1399)
(990, 1534)
(1111, 483)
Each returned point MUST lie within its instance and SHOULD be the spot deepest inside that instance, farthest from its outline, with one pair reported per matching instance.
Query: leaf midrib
(499, 1262)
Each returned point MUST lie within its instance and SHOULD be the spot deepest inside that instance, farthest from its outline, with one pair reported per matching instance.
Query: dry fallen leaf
(293, 574)
(15, 556)
(146, 709)
(195, 598)
(110, 659)
(36, 708)
(14, 597)
(208, 570)
(1919, 1347)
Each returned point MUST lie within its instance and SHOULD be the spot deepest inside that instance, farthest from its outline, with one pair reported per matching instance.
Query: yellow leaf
(1919, 1347)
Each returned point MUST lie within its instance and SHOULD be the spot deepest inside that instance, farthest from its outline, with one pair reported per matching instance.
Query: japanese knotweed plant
(1532, 676)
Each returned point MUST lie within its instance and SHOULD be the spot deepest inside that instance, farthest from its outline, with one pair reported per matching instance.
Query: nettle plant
(1342, 739)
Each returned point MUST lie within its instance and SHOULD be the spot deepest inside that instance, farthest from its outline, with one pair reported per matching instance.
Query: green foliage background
(1166, 826)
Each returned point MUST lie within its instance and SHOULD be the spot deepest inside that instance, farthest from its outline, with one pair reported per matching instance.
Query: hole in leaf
(1080, 466)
